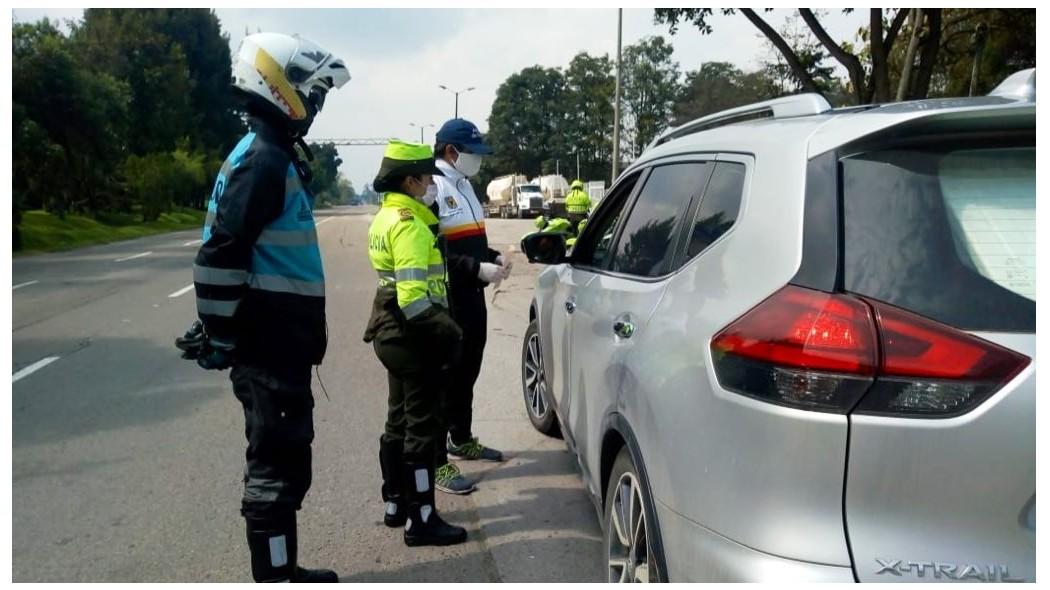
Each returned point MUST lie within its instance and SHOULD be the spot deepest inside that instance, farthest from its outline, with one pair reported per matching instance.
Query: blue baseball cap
(463, 132)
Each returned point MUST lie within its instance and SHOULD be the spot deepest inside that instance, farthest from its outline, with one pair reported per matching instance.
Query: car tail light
(800, 348)
(833, 352)
(930, 369)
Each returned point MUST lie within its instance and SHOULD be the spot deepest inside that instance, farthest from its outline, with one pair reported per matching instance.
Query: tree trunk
(909, 55)
(880, 75)
(931, 45)
(979, 37)
(850, 61)
(789, 54)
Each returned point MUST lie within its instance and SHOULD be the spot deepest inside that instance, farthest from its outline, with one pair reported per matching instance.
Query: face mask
(468, 164)
(430, 196)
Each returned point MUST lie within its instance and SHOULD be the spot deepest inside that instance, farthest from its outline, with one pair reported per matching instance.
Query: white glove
(491, 273)
(506, 264)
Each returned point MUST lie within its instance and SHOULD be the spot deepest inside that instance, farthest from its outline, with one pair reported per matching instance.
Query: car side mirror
(545, 248)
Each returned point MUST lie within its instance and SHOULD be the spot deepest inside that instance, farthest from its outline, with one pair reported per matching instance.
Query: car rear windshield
(944, 231)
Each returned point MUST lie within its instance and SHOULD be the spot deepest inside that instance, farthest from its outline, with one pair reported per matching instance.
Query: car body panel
(601, 371)
(918, 489)
(714, 558)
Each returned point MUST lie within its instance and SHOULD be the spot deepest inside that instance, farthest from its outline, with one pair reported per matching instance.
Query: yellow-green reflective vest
(404, 251)
(577, 202)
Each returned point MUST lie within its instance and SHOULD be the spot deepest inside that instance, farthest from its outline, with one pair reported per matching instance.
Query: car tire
(534, 384)
(630, 551)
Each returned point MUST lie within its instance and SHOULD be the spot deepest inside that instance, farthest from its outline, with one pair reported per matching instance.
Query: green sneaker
(450, 480)
(472, 450)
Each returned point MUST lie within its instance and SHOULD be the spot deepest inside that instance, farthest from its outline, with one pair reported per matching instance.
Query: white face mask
(430, 196)
(468, 164)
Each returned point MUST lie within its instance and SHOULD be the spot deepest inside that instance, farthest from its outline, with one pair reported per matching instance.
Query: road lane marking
(193, 243)
(24, 285)
(33, 368)
(325, 220)
(133, 257)
(180, 291)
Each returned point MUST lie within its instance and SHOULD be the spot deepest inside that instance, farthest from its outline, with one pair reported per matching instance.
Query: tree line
(130, 111)
(544, 117)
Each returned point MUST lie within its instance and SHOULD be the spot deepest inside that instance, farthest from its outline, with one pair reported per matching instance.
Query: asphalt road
(127, 461)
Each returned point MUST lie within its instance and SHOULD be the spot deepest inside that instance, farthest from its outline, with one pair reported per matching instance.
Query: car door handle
(570, 305)
(623, 328)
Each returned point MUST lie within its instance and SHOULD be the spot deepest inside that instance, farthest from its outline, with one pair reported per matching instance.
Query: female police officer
(415, 338)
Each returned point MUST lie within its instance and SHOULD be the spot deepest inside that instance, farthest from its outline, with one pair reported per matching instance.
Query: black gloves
(210, 353)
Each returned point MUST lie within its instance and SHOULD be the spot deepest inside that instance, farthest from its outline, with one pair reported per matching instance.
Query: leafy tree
(867, 84)
(213, 124)
(527, 122)
(128, 45)
(345, 190)
(590, 89)
(811, 55)
(325, 171)
(159, 180)
(718, 86)
(81, 112)
(948, 44)
(649, 86)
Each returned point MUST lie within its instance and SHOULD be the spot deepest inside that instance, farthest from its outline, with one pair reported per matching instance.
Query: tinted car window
(949, 234)
(719, 208)
(645, 247)
(595, 243)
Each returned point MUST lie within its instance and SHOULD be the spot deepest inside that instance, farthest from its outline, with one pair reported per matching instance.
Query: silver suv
(797, 343)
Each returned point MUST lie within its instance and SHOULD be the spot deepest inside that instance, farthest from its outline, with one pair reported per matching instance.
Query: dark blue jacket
(258, 275)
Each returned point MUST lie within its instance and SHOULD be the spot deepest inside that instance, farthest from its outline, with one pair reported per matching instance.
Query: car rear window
(719, 207)
(945, 232)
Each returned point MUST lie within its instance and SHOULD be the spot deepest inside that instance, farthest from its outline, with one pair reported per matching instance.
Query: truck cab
(528, 200)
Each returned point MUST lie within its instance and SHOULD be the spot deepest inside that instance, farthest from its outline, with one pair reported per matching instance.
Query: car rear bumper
(694, 553)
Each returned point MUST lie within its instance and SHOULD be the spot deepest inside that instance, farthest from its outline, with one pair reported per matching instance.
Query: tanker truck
(513, 196)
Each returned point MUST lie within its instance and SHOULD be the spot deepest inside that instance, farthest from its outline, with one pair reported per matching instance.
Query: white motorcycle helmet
(286, 76)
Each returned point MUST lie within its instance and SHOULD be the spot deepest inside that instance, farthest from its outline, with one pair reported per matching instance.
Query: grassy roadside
(43, 232)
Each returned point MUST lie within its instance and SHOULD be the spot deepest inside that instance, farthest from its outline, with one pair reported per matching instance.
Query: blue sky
(398, 57)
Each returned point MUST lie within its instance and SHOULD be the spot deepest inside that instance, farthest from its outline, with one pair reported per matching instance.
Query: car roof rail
(798, 105)
(1019, 86)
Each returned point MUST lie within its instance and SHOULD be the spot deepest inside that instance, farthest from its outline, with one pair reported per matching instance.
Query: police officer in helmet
(260, 289)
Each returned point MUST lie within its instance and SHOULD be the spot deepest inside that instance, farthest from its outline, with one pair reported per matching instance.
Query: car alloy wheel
(628, 545)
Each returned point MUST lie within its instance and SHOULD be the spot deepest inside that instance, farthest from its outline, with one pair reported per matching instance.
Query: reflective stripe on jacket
(404, 251)
(258, 276)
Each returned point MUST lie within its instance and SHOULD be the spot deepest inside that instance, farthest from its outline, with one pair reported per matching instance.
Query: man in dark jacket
(260, 289)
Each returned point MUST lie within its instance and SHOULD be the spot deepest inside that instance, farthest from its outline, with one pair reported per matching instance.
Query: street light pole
(421, 130)
(457, 93)
(616, 112)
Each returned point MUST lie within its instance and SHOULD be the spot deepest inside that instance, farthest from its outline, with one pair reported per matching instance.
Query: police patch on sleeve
(405, 214)
(451, 202)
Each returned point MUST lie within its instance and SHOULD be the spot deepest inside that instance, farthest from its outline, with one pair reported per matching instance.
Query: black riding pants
(279, 426)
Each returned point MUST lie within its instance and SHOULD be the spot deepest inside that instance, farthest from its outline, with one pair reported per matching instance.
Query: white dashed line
(180, 292)
(193, 243)
(33, 368)
(133, 257)
(325, 220)
(19, 286)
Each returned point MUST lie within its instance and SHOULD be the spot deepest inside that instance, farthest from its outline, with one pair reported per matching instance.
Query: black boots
(424, 526)
(272, 542)
(396, 510)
